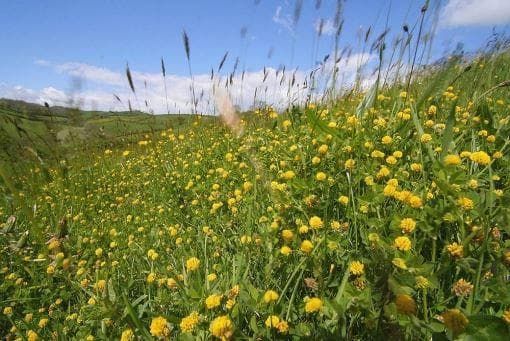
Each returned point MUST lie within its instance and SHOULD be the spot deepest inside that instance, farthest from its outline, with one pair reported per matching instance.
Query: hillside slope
(380, 215)
(27, 125)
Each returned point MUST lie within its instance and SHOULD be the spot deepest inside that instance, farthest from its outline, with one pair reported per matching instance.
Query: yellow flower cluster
(213, 301)
(222, 327)
(407, 225)
(159, 327)
(189, 322)
(455, 320)
(402, 243)
(356, 268)
(274, 321)
(313, 305)
(316, 222)
(270, 296)
(192, 264)
(480, 157)
(405, 304)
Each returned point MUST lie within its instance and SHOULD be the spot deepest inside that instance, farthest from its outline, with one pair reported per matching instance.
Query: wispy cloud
(284, 20)
(85, 71)
(325, 27)
(475, 13)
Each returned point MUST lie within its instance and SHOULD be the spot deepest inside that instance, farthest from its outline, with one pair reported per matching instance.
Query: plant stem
(425, 308)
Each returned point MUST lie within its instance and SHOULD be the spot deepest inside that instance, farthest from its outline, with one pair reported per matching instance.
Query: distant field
(42, 129)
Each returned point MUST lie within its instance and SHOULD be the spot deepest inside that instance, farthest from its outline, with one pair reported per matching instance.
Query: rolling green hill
(46, 130)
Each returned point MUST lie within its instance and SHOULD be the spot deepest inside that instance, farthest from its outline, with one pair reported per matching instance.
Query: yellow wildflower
(270, 296)
(316, 222)
(159, 327)
(192, 264)
(480, 157)
(313, 305)
(189, 322)
(221, 327)
(405, 304)
(306, 246)
(455, 320)
(465, 203)
(272, 321)
(356, 268)
(127, 335)
(402, 243)
(285, 250)
(452, 160)
(407, 225)
(213, 301)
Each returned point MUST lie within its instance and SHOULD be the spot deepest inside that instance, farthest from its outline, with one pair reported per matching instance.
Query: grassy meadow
(383, 213)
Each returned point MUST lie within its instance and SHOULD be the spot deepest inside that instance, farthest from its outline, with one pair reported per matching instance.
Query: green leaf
(186, 337)
(485, 328)
(253, 324)
(145, 333)
(302, 329)
(448, 132)
(397, 288)
(436, 327)
(111, 292)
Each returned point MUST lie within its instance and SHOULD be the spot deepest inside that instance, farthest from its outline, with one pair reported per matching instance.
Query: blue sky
(46, 44)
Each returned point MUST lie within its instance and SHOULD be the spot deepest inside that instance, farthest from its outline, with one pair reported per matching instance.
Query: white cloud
(99, 95)
(325, 27)
(48, 94)
(85, 71)
(475, 12)
(284, 20)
